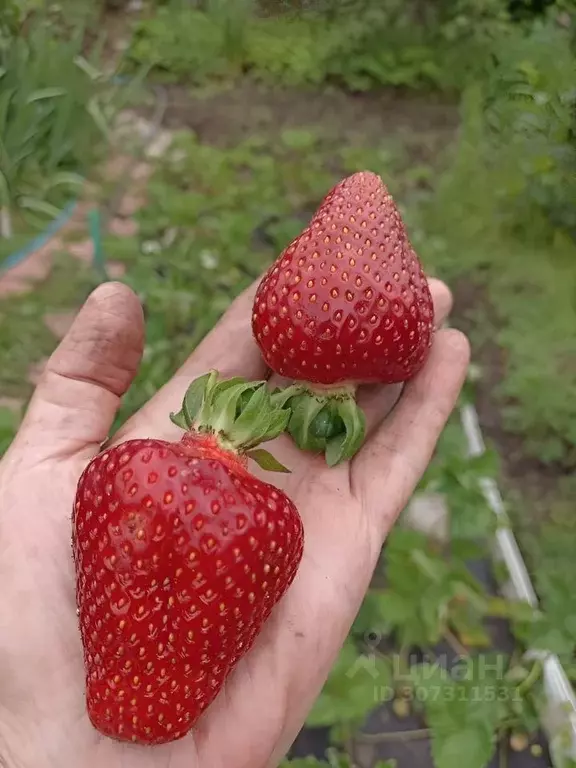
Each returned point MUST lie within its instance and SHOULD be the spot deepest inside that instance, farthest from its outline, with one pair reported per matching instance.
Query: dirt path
(229, 116)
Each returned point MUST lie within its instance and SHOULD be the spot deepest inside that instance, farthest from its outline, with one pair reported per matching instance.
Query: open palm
(347, 512)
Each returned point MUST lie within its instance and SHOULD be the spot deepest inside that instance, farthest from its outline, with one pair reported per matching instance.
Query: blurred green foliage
(358, 44)
(502, 218)
(56, 107)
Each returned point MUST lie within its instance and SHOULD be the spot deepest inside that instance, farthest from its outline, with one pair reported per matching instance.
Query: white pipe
(559, 717)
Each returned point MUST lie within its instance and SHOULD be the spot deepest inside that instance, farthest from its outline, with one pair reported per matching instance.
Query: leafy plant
(180, 43)
(468, 707)
(232, 19)
(514, 226)
(530, 100)
(555, 629)
(429, 594)
(55, 106)
(455, 476)
(10, 16)
(352, 689)
(359, 44)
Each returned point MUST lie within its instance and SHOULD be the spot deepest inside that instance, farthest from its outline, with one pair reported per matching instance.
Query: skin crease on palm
(347, 512)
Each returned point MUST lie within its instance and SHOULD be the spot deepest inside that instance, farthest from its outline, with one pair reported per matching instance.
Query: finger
(377, 401)
(77, 397)
(392, 461)
(229, 348)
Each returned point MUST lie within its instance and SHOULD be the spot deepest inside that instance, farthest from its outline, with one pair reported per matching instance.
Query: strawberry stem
(326, 422)
(240, 414)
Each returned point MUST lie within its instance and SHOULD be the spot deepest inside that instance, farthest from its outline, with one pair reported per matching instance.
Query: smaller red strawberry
(346, 303)
(181, 554)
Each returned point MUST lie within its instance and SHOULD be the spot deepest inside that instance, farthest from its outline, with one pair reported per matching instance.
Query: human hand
(347, 512)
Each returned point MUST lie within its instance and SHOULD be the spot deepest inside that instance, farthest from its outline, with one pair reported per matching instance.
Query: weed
(55, 108)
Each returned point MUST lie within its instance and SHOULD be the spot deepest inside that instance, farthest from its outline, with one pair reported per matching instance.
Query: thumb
(78, 395)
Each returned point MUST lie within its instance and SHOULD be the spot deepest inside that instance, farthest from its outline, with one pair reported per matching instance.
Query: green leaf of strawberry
(241, 414)
(331, 425)
(348, 694)
(346, 444)
(266, 461)
(467, 705)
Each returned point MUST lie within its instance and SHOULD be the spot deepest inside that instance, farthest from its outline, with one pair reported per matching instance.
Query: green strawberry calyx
(240, 414)
(325, 421)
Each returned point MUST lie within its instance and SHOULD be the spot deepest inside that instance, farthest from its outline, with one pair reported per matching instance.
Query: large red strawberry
(346, 303)
(180, 555)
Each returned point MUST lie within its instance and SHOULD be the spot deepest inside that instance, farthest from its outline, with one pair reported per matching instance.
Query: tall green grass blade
(38, 206)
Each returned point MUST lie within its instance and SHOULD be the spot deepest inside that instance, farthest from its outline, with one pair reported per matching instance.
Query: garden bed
(398, 729)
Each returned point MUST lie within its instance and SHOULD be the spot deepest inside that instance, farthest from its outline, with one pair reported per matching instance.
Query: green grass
(9, 422)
